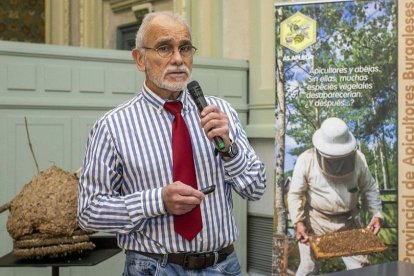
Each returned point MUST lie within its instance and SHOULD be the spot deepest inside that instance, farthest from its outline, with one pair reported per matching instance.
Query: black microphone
(198, 97)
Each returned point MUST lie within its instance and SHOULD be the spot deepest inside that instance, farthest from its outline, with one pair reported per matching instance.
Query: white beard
(179, 84)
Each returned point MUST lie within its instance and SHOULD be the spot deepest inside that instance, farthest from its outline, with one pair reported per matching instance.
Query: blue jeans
(137, 264)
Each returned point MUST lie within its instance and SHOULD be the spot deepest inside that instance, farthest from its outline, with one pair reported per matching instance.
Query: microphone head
(192, 85)
(194, 89)
(197, 94)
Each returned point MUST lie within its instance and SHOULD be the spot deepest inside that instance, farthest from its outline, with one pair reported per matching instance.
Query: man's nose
(176, 57)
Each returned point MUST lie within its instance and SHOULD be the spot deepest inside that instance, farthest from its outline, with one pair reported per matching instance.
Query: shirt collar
(158, 103)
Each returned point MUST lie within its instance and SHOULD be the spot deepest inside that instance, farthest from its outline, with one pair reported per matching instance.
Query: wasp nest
(42, 217)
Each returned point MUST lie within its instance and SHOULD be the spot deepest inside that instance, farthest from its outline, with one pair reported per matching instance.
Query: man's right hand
(301, 233)
(180, 198)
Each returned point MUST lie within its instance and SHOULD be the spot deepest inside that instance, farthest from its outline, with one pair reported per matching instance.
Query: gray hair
(142, 31)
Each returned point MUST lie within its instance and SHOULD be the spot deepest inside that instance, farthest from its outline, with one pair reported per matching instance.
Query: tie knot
(173, 107)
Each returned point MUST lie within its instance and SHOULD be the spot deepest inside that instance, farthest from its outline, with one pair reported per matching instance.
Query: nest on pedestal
(42, 217)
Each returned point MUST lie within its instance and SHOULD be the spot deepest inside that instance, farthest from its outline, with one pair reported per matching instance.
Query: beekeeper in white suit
(326, 185)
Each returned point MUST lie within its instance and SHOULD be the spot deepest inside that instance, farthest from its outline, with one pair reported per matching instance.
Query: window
(125, 37)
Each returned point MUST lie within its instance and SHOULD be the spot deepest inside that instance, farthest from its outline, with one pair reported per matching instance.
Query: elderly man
(326, 185)
(147, 160)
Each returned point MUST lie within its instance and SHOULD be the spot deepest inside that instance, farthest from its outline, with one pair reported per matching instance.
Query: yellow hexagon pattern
(298, 32)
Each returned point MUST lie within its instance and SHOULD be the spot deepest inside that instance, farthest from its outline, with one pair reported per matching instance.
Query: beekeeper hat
(333, 138)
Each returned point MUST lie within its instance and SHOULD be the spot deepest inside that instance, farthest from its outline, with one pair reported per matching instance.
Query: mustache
(179, 69)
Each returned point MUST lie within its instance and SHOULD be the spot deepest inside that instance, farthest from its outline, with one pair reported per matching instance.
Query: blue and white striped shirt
(129, 159)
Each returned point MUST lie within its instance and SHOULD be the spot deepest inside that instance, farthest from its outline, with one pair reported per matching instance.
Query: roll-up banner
(344, 94)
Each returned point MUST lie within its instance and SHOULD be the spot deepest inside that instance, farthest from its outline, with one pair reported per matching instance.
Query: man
(129, 184)
(326, 185)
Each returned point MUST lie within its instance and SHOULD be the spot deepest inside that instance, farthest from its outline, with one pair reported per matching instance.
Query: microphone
(198, 97)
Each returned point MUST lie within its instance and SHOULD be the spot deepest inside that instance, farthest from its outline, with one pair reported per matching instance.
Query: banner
(406, 130)
(339, 60)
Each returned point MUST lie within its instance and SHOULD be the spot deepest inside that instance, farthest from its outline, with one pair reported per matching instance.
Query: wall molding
(91, 23)
(57, 22)
(69, 78)
(122, 5)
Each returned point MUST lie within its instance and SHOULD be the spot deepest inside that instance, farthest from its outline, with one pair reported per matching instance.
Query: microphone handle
(198, 97)
(219, 142)
(201, 103)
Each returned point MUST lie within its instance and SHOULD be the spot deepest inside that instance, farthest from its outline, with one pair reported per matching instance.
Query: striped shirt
(128, 161)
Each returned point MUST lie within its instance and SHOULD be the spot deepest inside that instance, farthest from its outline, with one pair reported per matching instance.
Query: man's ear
(139, 59)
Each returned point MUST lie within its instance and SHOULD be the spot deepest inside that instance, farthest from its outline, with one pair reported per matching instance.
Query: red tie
(189, 224)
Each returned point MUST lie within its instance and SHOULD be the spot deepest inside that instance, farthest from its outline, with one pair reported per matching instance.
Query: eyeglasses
(166, 51)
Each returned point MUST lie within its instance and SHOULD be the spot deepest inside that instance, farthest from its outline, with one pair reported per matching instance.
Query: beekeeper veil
(335, 147)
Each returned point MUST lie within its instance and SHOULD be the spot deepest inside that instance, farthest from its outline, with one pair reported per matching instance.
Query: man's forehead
(167, 29)
(161, 40)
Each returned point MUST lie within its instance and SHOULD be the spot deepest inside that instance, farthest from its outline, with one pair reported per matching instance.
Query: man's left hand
(375, 225)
